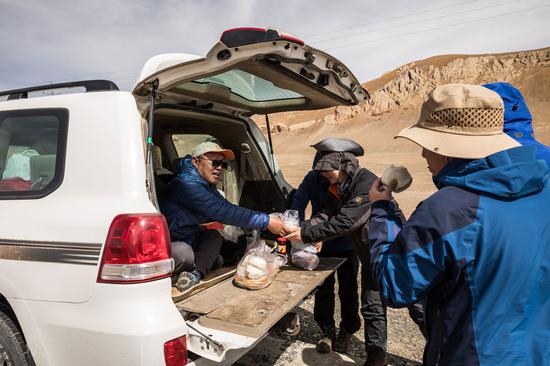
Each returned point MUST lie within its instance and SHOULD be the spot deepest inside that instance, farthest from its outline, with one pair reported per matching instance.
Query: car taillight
(175, 352)
(137, 249)
(248, 35)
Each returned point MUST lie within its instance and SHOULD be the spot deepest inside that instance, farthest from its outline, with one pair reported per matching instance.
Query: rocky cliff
(407, 86)
(412, 82)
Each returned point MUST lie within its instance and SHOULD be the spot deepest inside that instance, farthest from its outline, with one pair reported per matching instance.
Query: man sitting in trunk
(191, 200)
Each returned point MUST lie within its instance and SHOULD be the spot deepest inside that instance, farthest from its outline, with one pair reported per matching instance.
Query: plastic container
(282, 246)
(283, 249)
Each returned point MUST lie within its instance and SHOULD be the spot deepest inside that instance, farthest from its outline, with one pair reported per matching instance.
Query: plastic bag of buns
(304, 256)
(257, 268)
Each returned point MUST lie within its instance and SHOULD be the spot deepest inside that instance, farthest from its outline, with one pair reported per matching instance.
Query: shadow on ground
(279, 349)
(311, 357)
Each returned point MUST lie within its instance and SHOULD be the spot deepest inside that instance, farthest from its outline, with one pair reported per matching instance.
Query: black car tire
(13, 349)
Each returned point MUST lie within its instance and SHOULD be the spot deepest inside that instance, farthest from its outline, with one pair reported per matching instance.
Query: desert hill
(406, 87)
(396, 97)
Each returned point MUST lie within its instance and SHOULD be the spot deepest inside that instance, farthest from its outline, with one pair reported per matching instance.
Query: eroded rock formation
(408, 86)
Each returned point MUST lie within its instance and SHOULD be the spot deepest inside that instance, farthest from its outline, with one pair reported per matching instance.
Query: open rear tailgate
(225, 309)
(251, 71)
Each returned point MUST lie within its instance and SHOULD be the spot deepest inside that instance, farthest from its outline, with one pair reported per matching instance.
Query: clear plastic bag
(291, 219)
(231, 233)
(254, 241)
(304, 256)
(257, 269)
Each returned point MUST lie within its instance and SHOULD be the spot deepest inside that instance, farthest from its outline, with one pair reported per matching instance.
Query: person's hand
(287, 230)
(275, 225)
(295, 235)
(379, 192)
(318, 246)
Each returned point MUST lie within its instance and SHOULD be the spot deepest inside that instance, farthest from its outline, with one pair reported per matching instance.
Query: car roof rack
(89, 85)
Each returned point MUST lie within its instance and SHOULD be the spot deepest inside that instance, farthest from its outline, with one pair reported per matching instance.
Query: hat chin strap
(342, 176)
(342, 186)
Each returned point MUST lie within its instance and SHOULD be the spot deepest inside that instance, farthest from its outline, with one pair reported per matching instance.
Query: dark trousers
(347, 292)
(416, 312)
(200, 255)
(374, 314)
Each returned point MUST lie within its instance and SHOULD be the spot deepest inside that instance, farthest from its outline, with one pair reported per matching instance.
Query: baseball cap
(209, 146)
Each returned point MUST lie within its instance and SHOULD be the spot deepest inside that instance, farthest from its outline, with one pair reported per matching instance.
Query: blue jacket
(518, 123)
(188, 200)
(314, 189)
(478, 253)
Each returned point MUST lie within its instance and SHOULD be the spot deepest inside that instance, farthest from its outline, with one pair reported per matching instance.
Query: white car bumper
(119, 325)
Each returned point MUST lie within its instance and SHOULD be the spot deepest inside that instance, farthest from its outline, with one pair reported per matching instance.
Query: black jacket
(345, 217)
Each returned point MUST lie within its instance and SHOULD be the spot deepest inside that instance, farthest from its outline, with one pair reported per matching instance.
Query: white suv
(85, 255)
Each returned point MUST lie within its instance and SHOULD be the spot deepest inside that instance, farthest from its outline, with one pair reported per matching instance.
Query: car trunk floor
(211, 279)
(227, 307)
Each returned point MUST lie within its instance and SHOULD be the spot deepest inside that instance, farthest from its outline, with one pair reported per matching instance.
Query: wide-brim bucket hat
(461, 121)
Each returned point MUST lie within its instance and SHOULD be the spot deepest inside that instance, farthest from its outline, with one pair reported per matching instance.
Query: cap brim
(228, 154)
(458, 146)
(323, 166)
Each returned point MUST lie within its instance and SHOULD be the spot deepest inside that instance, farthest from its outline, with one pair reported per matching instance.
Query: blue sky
(56, 41)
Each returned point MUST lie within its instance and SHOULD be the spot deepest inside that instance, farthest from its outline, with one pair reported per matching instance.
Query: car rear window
(247, 86)
(185, 143)
(32, 152)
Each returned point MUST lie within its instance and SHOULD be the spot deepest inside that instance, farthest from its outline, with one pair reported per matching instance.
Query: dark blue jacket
(188, 200)
(518, 123)
(478, 252)
(314, 189)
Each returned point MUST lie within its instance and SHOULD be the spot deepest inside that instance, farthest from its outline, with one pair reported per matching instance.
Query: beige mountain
(395, 98)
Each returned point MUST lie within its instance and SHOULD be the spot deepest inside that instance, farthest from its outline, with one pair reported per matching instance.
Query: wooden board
(214, 277)
(251, 313)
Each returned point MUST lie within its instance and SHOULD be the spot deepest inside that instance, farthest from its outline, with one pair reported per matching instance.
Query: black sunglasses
(216, 163)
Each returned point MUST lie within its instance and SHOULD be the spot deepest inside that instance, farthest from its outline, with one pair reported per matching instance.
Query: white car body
(64, 313)
(51, 246)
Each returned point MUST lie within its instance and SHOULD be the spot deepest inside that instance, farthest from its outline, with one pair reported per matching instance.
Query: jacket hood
(316, 159)
(507, 174)
(344, 161)
(518, 121)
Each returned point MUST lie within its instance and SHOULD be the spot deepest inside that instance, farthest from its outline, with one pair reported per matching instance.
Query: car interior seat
(45, 146)
(42, 169)
(162, 175)
(4, 146)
